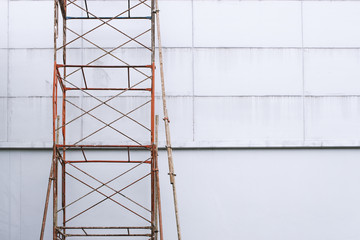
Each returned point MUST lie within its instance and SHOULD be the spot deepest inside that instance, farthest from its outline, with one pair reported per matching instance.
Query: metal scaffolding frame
(72, 151)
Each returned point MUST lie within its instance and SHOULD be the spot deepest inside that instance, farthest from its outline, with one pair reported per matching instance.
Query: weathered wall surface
(223, 194)
(239, 73)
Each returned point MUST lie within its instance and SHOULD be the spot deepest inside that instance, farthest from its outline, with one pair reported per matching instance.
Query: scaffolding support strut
(166, 122)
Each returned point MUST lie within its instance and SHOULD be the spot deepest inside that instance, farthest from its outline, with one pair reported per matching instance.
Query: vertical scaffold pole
(158, 212)
(42, 232)
(166, 121)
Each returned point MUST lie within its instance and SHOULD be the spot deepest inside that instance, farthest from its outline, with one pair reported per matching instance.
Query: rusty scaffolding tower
(104, 99)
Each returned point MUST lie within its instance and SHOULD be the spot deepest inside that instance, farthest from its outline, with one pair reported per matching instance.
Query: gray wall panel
(272, 51)
(227, 194)
(247, 24)
(335, 27)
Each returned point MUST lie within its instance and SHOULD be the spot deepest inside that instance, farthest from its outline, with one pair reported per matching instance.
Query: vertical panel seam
(193, 70)
(303, 74)
(8, 69)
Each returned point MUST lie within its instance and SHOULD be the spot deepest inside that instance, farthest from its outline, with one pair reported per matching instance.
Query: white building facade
(264, 103)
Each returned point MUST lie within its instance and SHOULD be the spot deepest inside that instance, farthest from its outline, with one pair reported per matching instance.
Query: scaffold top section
(84, 9)
(116, 33)
(104, 72)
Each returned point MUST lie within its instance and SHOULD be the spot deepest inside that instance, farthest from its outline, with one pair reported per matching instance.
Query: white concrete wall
(243, 73)
(223, 194)
(239, 74)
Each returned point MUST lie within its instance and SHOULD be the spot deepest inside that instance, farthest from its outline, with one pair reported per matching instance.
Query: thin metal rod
(46, 202)
(131, 39)
(105, 66)
(129, 8)
(82, 70)
(105, 227)
(63, 7)
(101, 103)
(128, 77)
(145, 4)
(97, 18)
(55, 195)
(89, 175)
(166, 121)
(108, 235)
(106, 196)
(82, 150)
(112, 122)
(104, 161)
(157, 179)
(104, 146)
(104, 199)
(110, 53)
(69, 2)
(111, 180)
(49, 187)
(87, 11)
(54, 159)
(106, 125)
(111, 89)
(104, 22)
(63, 167)
(154, 169)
